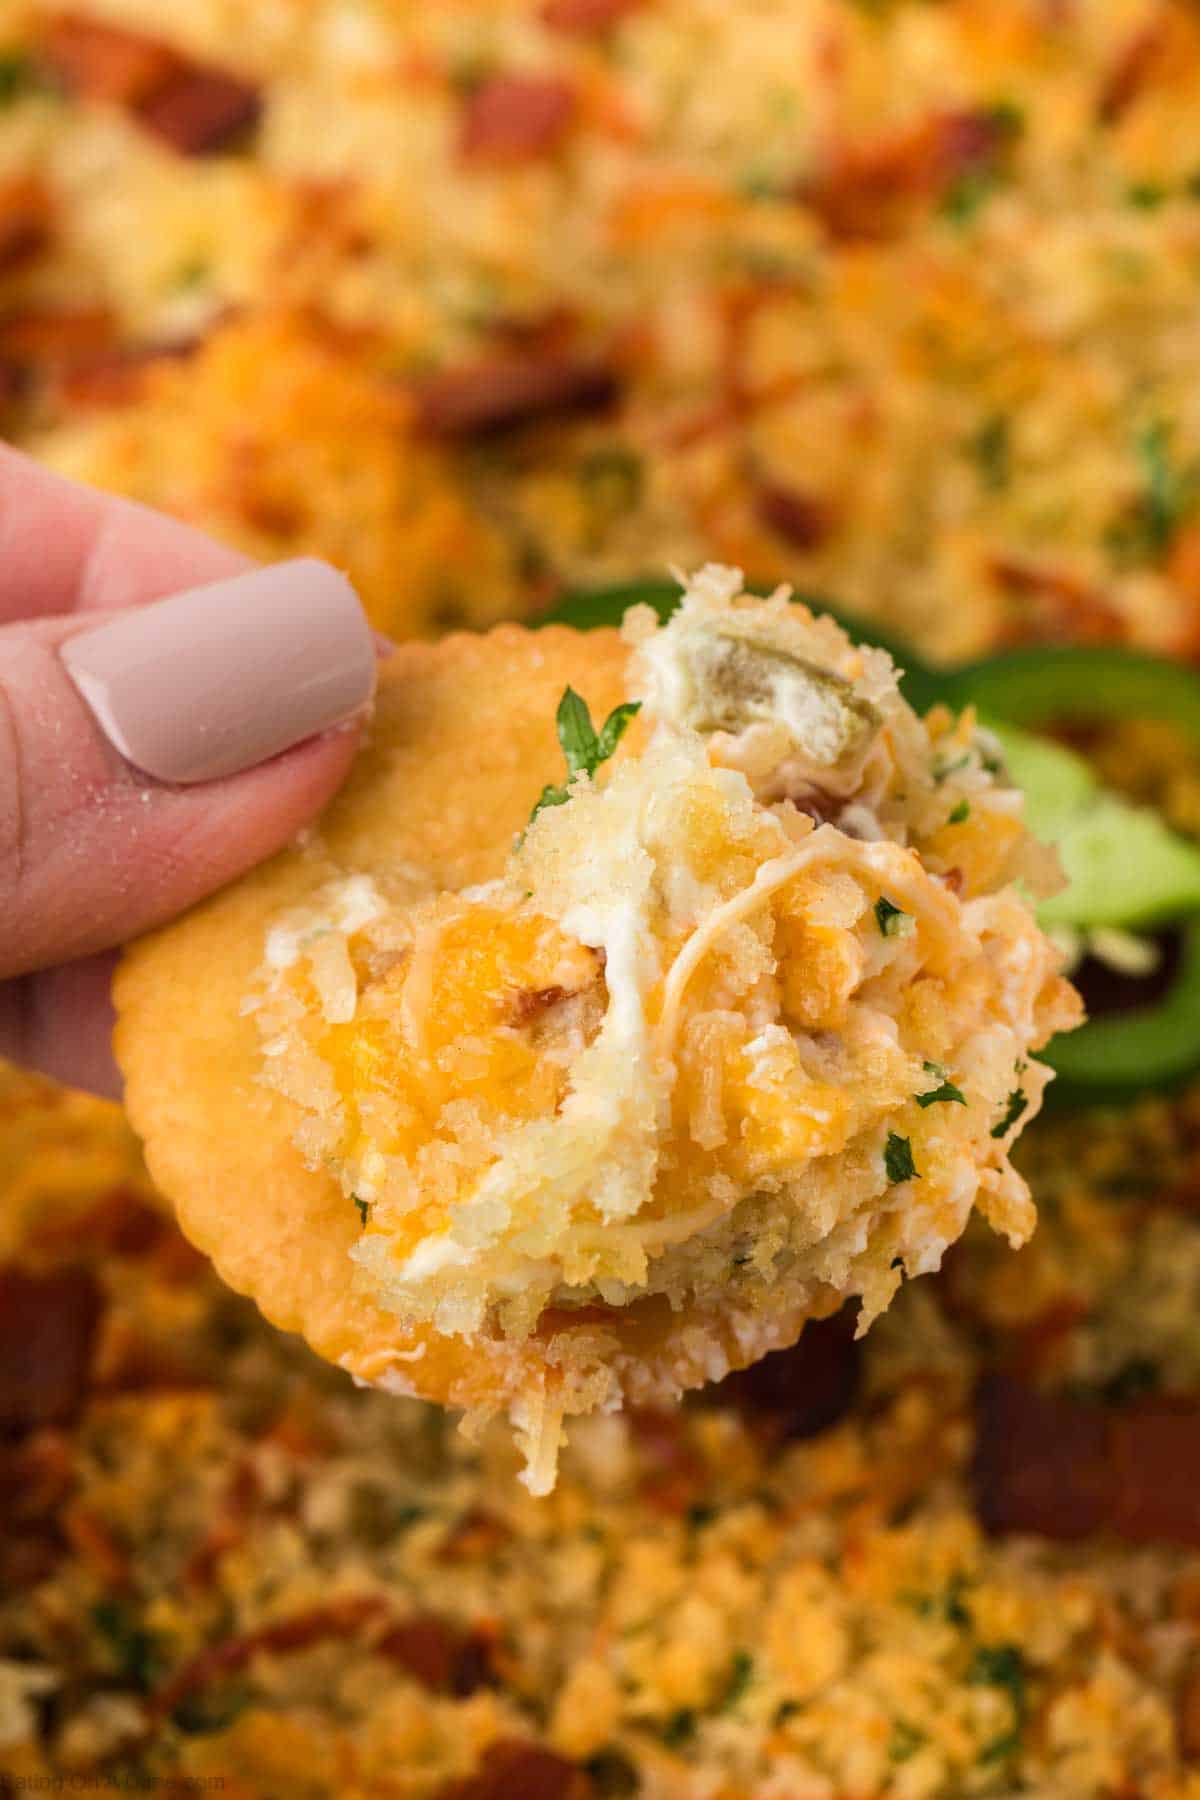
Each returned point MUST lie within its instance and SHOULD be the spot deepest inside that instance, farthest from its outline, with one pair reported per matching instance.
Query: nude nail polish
(217, 679)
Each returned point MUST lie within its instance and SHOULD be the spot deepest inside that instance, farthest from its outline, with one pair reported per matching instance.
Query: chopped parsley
(1017, 1102)
(211, 1710)
(612, 478)
(945, 1091)
(679, 1729)
(905, 1741)
(364, 1208)
(947, 1605)
(1147, 196)
(191, 274)
(584, 747)
(135, 1651)
(888, 917)
(1134, 1378)
(18, 73)
(1169, 490)
(991, 452)
(964, 197)
(756, 183)
(1169, 493)
(612, 1774)
(1001, 1666)
(1003, 123)
(741, 1673)
(942, 769)
(961, 812)
(898, 1159)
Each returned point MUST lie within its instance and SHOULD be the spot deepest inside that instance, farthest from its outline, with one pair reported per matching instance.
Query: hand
(148, 753)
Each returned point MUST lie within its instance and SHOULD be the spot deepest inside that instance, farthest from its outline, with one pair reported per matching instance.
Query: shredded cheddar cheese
(669, 1051)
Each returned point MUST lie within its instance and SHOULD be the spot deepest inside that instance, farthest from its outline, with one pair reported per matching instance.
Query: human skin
(95, 850)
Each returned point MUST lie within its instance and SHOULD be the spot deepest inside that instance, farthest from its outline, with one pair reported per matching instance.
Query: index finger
(65, 548)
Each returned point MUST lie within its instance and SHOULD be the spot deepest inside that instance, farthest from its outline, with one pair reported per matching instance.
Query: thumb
(149, 756)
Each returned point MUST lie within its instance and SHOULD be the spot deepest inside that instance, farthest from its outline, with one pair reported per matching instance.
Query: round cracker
(461, 744)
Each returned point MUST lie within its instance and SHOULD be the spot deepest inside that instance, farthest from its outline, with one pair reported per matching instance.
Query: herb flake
(905, 1741)
(1001, 1666)
(680, 1728)
(945, 1091)
(583, 746)
(741, 1673)
(888, 917)
(898, 1159)
(18, 74)
(991, 452)
(1017, 1102)
(961, 813)
(1168, 497)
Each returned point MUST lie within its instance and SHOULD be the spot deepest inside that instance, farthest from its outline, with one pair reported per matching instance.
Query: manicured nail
(219, 678)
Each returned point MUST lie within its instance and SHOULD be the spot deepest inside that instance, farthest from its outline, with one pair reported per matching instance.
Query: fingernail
(219, 678)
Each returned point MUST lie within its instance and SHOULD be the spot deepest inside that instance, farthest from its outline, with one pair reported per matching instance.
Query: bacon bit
(44, 338)
(674, 1470)
(102, 62)
(867, 191)
(1066, 1468)
(36, 1476)
(800, 1392)
(864, 194)
(202, 111)
(47, 1329)
(337, 1621)
(476, 1535)
(121, 1223)
(26, 215)
(93, 1541)
(1187, 1715)
(302, 1430)
(511, 1766)
(803, 519)
(586, 18)
(1040, 1343)
(506, 391)
(1061, 607)
(131, 1361)
(442, 1657)
(1131, 70)
(194, 109)
(515, 118)
(228, 1530)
